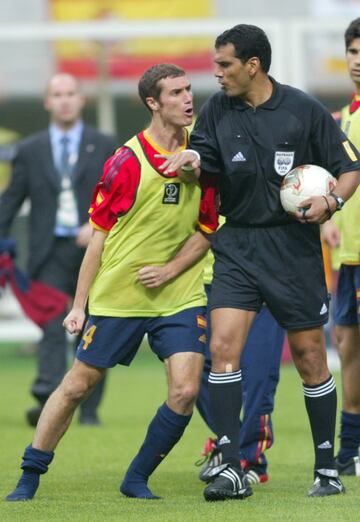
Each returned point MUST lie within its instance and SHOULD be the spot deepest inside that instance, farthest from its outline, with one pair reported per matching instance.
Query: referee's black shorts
(280, 265)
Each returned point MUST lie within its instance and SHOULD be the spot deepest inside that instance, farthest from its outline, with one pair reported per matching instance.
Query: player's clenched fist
(74, 321)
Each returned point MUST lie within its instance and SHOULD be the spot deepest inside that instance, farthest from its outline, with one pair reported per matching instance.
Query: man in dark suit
(57, 170)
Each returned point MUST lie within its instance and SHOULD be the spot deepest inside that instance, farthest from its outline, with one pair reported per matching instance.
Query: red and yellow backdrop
(129, 58)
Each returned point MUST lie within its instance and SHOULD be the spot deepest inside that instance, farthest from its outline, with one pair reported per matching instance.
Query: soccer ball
(303, 182)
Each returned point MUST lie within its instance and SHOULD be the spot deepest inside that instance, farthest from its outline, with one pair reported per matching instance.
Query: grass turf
(83, 480)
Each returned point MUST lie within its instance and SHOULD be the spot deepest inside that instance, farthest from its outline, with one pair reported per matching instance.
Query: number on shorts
(88, 336)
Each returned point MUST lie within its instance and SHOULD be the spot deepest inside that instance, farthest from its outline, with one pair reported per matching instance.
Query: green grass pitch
(82, 484)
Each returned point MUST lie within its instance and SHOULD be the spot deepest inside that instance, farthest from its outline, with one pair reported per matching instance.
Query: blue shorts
(347, 302)
(108, 341)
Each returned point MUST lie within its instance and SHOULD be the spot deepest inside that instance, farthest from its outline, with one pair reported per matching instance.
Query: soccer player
(249, 136)
(142, 215)
(344, 231)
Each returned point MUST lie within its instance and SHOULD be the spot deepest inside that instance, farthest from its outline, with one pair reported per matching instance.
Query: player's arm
(330, 234)
(333, 151)
(113, 197)
(193, 249)
(321, 208)
(74, 321)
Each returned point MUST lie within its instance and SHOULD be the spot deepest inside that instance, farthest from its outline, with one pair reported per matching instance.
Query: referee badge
(283, 162)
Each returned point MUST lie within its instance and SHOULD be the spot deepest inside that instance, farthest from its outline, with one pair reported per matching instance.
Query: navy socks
(35, 463)
(163, 433)
(349, 436)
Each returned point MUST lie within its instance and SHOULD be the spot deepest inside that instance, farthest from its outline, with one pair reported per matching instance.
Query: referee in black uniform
(249, 136)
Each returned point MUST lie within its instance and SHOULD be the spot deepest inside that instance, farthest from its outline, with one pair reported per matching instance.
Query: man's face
(175, 104)
(353, 60)
(63, 100)
(231, 72)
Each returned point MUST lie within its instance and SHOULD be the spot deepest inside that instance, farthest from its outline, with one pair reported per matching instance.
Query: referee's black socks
(320, 401)
(225, 394)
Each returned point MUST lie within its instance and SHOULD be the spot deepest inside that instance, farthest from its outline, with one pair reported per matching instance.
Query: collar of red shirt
(355, 103)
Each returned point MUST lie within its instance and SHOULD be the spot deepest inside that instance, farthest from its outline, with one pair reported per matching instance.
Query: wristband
(328, 210)
(194, 151)
(187, 168)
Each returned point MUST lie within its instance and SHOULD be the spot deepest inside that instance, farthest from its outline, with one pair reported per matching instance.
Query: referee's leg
(230, 327)
(309, 354)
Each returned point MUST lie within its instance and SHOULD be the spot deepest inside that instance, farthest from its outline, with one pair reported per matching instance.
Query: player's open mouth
(189, 112)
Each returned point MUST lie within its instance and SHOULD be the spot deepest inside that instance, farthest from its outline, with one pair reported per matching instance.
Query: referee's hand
(173, 162)
(316, 209)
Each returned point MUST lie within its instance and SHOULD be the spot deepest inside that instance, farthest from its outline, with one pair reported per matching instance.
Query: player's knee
(75, 392)
(310, 361)
(224, 356)
(75, 388)
(185, 394)
(220, 348)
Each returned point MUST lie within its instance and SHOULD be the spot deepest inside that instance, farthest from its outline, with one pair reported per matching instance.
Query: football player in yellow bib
(343, 231)
(143, 215)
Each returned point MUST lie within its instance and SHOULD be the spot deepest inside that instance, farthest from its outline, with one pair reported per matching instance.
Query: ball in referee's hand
(303, 182)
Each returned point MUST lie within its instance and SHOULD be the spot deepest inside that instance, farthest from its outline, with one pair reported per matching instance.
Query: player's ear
(152, 103)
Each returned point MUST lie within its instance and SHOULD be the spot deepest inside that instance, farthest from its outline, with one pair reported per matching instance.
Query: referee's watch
(339, 200)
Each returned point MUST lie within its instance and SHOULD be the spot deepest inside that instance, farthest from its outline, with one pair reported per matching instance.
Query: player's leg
(347, 320)
(348, 338)
(88, 408)
(106, 342)
(54, 420)
(260, 368)
(171, 338)
(88, 415)
(309, 354)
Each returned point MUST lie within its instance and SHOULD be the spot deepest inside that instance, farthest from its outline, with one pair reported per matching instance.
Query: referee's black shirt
(251, 149)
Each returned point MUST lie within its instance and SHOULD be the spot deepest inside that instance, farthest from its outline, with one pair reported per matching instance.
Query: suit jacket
(35, 177)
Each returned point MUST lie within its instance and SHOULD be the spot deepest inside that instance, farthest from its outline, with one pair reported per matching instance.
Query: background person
(56, 169)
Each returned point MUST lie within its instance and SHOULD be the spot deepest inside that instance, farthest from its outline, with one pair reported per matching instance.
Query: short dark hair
(249, 41)
(149, 82)
(352, 32)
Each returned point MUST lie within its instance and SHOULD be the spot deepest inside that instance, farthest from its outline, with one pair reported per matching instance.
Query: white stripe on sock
(223, 378)
(320, 391)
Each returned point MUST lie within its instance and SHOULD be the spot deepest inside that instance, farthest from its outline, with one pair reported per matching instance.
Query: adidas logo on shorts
(324, 309)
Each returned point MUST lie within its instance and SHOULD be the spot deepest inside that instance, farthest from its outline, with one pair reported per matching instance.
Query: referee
(249, 136)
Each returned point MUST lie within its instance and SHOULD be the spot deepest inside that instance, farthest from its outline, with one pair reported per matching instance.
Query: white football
(303, 182)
